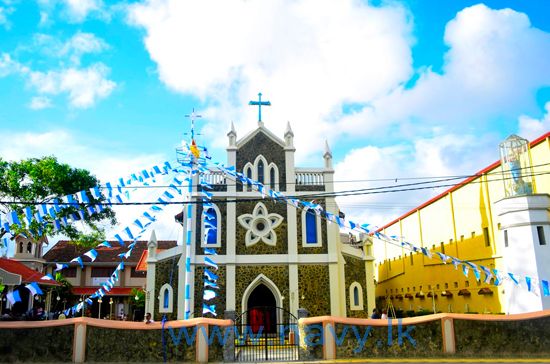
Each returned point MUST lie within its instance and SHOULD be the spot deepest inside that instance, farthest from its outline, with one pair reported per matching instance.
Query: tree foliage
(35, 181)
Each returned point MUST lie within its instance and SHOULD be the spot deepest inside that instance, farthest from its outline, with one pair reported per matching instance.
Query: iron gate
(266, 334)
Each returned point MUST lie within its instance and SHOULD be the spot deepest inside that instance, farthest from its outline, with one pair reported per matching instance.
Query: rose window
(260, 225)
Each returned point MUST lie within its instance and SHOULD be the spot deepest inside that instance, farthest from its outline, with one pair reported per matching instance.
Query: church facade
(269, 253)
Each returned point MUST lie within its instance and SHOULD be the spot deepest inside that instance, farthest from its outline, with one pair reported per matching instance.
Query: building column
(231, 225)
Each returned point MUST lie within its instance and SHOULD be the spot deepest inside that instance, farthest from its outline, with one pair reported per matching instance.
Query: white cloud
(496, 63)
(426, 159)
(9, 66)
(40, 102)
(78, 10)
(308, 57)
(84, 86)
(72, 49)
(530, 128)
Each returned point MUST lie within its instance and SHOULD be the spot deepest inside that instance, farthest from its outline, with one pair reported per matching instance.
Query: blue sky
(399, 89)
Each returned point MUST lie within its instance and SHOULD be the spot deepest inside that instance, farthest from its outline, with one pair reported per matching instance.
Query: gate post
(229, 344)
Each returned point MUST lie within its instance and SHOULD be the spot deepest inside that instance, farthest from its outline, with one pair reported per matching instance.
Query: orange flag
(194, 150)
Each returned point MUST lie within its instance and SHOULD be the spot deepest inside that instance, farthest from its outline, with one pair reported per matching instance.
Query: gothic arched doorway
(262, 311)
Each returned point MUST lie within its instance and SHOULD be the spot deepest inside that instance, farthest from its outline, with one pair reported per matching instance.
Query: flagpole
(189, 225)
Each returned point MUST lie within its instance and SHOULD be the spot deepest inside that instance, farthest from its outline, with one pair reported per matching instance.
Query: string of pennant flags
(193, 164)
(532, 283)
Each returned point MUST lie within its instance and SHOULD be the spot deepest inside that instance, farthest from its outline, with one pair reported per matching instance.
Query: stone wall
(112, 345)
(314, 286)
(355, 271)
(260, 247)
(382, 343)
(518, 339)
(271, 151)
(48, 344)
(219, 301)
(163, 270)
(247, 273)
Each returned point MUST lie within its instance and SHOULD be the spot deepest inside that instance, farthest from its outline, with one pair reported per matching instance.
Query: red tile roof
(27, 274)
(64, 251)
(142, 263)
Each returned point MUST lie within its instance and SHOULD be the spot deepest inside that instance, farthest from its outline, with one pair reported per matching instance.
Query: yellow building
(461, 222)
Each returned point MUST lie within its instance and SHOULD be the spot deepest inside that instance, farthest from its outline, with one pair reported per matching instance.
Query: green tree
(35, 181)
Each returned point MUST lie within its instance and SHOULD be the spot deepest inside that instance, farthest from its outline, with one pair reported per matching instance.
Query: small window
(456, 284)
(446, 285)
(311, 227)
(540, 233)
(21, 247)
(102, 271)
(437, 286)
(272, 178)
(356, 296)
(486, 236)
(466, 284)
(249, 176)
(261, 171)
(414, 289)
(461, 237)
(166, 298)
(443, 247)
(29, 247)
(506, 238)
(69, 272)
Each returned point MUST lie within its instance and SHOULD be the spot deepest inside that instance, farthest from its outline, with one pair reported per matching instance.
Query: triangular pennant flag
(211, 309)
(210, 251)
(426, 252)
(528, 282)
(208, 294)
(34, 288)
(120, 241)
(105, 244)
(60, 266)
(13, 297)
(78, 260)
(465, 270)
(498, 278)
(545, 288)
(513, 277)
(92, 254)
(443, 257)
(488, 274)
(210, 275)
(209, 262)
(210, 284)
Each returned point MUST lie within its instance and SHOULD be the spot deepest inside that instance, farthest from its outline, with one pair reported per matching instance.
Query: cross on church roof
(259, 103)
(193, 116)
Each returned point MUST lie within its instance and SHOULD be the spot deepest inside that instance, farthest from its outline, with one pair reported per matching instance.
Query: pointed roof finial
(288, 129)
(232, 131)
(152, 240)
(328, 153)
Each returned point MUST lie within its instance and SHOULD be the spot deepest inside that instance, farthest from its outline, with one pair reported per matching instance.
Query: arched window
(29, 247)
(21, 247)
(272, 178)
(356, 296)
(166, 298)
(311, 229)
(248, 174)
(261, 171)
(211, 227)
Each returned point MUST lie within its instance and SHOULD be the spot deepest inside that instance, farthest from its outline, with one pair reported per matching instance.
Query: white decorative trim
(260, 225)
(304, 230)
(248, 167)
(273, 166)
(262, 279)
(218, 229)
(255, 172)
(353, 306)
(166, 287)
